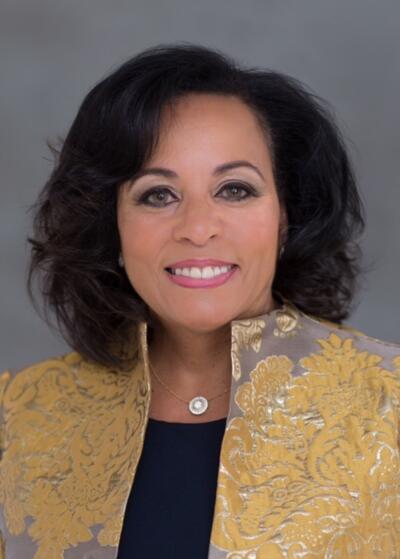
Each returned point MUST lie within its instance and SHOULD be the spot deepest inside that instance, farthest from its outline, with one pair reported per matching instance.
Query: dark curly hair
(75, 243)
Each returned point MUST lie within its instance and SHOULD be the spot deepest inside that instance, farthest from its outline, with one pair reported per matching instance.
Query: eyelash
(143, 199)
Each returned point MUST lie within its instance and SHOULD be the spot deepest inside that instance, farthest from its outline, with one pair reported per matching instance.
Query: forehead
(211, 123)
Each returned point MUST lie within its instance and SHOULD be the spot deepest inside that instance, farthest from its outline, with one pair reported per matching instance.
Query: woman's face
(211, 195)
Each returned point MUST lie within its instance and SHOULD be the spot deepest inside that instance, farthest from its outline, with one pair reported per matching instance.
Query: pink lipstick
(185, 281)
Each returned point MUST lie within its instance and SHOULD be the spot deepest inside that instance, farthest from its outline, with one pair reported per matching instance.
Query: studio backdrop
(53, 53)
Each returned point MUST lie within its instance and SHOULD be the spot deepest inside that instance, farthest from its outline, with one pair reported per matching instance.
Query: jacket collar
(246, 333)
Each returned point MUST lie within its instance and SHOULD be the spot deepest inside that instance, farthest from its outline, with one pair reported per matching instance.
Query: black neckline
(186, 425)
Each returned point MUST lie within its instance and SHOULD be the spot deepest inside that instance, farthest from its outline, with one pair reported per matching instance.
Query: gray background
(52, 53)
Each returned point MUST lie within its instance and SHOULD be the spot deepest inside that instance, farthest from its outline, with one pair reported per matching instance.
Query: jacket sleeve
(4, 381)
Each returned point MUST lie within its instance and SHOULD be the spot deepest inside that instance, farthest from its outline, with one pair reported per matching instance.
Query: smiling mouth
(205, 272)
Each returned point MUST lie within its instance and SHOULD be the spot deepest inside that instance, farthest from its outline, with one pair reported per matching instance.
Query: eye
(160, 195)
(235, 188)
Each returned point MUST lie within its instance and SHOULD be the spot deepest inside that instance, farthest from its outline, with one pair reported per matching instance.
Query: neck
(189, 362)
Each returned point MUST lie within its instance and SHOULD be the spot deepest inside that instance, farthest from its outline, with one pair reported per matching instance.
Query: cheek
(259, 233)
(142, 245)
(138, 239)
(138, 247)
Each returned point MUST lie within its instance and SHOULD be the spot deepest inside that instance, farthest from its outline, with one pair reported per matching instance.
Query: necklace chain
(176, 395)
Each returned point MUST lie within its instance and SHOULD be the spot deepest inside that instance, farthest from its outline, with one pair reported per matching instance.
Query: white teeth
(202, 273)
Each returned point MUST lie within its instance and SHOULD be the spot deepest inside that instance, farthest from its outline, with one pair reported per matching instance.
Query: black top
(170, 509)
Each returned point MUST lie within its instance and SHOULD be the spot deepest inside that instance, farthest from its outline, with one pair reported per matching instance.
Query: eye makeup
(231, 186)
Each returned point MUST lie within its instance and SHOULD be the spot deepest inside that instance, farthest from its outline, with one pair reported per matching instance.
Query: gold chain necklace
(197, 405)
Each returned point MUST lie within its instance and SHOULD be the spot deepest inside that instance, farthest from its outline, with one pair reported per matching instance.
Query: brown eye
(155, 197)
(235, 188)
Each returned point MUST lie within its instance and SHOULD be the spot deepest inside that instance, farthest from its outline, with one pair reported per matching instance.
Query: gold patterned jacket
(309, 464)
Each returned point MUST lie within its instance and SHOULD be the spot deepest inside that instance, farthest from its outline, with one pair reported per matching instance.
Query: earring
(281, 251)
(120, 261)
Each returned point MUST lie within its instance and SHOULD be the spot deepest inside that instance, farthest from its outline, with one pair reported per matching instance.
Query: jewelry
(197, 405)
(281, 251)
(120, 261)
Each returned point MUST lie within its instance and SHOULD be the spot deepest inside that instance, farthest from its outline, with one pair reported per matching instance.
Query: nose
(197, 221)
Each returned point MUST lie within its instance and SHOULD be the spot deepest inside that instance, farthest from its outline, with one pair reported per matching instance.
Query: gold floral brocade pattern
(287, 322)
(311, 468)
(309, 464)
(245, 334)
(73, 434)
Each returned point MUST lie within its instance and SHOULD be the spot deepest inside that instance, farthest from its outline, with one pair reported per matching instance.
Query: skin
(194, 217)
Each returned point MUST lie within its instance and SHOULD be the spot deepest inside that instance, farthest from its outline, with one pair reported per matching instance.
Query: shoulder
(62, 382)
(337, 368)
(59, 360)
(344, 340)
(20, 389)
(57, 379)
(15, 379)
(348, 330)
(50, 401)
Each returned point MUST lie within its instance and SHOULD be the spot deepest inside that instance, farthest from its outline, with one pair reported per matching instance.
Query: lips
(189, 282)
(199, 263)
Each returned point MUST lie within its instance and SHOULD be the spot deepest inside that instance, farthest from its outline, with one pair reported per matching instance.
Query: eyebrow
(167, 173)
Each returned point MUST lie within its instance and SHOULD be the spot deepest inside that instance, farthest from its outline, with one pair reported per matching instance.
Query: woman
(197, 242)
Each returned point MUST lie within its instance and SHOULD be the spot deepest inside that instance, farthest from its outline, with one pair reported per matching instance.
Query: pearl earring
(281, 251)
(120, 261)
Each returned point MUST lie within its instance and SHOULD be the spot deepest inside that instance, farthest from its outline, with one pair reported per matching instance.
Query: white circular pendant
(198, 405)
